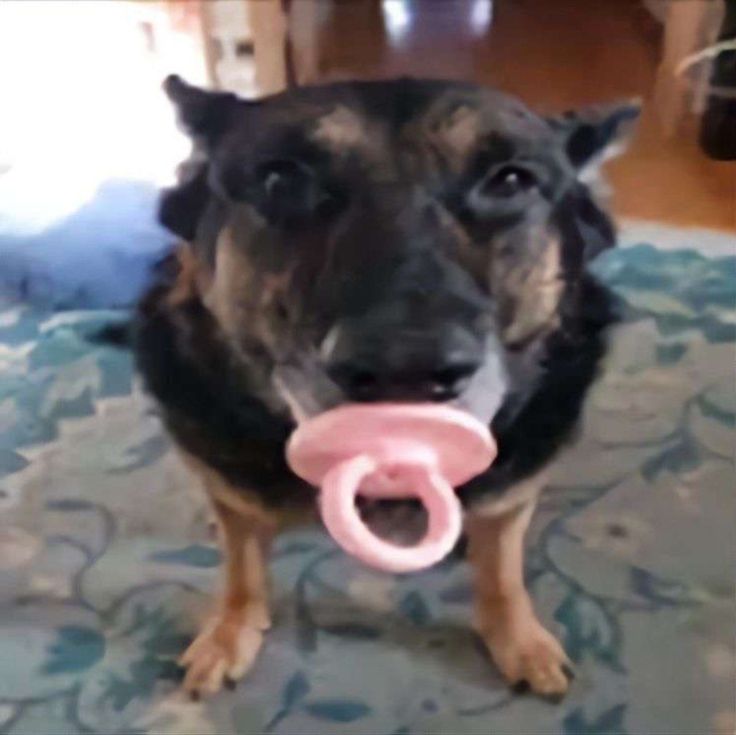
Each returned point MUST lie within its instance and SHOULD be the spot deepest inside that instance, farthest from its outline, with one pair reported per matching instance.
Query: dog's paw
(222, 653)
(530, 657)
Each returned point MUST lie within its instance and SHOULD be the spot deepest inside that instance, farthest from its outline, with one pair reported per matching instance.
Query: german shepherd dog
(404, 240)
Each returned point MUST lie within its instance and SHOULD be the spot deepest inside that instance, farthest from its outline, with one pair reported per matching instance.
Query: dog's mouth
(304, 386)
(308, 392)
(402, 522)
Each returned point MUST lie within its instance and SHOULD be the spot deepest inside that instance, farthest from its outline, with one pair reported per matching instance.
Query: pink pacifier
(391, 451)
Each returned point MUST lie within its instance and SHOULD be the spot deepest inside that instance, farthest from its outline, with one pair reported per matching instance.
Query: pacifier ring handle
(340, 488)
(391, 450)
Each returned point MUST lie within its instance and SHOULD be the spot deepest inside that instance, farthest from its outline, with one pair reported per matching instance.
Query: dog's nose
(429, 365)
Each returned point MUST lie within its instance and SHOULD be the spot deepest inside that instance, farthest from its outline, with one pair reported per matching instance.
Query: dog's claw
(529, 656)
(222, 653)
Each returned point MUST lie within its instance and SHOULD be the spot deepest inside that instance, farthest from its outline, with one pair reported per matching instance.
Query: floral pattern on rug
(107, 561)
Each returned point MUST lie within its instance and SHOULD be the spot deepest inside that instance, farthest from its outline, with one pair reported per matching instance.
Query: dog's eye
(288, 192)
(282, 178)
(506, 182)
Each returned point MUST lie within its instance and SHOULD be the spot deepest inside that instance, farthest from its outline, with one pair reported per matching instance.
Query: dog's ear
(204, 116)
(201, 114)
(593, 135)
(181, 207)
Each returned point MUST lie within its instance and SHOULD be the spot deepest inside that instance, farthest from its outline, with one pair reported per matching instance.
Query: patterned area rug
(107, 563)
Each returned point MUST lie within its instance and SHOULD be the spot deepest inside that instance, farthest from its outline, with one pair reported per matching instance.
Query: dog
(403, 240)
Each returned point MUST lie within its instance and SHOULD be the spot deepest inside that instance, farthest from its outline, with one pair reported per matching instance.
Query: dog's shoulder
(202, 391)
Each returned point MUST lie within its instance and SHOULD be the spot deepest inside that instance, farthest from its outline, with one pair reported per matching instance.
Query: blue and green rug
(107, 563)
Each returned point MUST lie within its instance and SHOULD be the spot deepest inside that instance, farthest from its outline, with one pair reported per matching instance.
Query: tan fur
(444, 139)
(189, 279)
(525, 492)
(231, 499)
(521, 647)
(461, 130)
(226, 294)
(228, 643)
(243, 301)
(342, 130)
(529, 286)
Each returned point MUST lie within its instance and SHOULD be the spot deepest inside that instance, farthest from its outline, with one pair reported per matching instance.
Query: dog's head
(398, 240)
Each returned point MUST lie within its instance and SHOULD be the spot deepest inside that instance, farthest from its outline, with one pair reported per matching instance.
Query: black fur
(208, 390)
(207, 404)
(210, 411)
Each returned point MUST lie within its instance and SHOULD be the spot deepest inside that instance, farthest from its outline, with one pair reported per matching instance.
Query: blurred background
(86, 136)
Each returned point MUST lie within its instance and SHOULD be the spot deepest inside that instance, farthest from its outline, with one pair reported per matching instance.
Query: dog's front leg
(227, 645)
(522, 648)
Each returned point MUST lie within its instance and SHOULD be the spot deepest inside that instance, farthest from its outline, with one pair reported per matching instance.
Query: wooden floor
(555, 54)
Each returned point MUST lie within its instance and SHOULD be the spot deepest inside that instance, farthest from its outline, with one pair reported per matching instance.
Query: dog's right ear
(201, 114)
(204, 116)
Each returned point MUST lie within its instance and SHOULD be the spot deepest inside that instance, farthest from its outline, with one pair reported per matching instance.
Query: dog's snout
(403, 365)
(362, 382)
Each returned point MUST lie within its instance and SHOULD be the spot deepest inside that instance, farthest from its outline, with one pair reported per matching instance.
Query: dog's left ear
(589, 137)
(593, 135)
